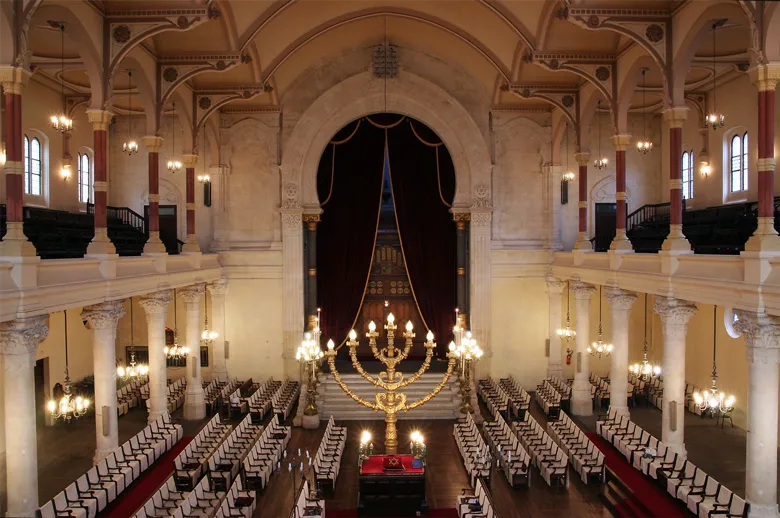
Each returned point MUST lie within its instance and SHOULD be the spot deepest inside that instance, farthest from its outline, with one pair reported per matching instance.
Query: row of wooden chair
(283, 400)
(476, 504)
(586, 459)
(519, 399)
(265, 455)
(238, 503)
(550, 460)
(99, 486)
(703, 495)
(193, 461)
(495, 398)
(129, 395)
(512, 458)
(307, 506)
(259, 403)
(225, 463)
(327, 461)
(472, 447)
(548, 397)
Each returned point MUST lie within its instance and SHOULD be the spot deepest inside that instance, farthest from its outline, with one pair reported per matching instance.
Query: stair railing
(124, 214)
(649, 212)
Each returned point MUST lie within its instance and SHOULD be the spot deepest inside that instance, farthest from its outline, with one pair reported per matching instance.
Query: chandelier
(131, 146)
(600, 163)
(713, 400)
(646, 369)
(132, 371)
(715, 120)
(309, 355)
(61, 122)
(466, 350)
(174, 165)
(644, 146)
(204, 178)
(207, 337)
(176, 352)
(68, 407)
(417, 445)
(599, 348)
(567, 333)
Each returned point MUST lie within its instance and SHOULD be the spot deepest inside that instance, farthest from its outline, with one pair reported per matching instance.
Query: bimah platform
(391, 485)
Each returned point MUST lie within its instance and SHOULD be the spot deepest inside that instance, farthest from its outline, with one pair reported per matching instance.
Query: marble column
(620, 242)
(461, 265)
(762, 337)
(217, 289)
(14, 243)
(675, 314)
(194, 398)
(675, 241)
(189, 162)
(156, 307)
(292, 295)
(311, 221)
(765, 238)
(554, 359)
(154, 245)
(102, 319)
(583, 240)
(100, 245)
(480, 275)
(19, 341)
(581, 401)
(620, 302)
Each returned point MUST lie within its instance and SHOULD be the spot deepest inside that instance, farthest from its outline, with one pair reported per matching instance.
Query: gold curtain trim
(373, 247)
(332, 174)
(389, 126)
(430, 144)
(438, 172)
(339, 142)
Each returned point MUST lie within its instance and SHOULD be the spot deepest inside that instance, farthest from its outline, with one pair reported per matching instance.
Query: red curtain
(421, 197)
(347, 229)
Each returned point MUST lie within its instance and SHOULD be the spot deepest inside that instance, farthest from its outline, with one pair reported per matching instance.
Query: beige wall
(79, 349)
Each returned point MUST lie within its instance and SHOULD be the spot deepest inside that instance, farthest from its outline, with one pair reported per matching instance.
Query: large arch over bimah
(386, 241)
(348, 101)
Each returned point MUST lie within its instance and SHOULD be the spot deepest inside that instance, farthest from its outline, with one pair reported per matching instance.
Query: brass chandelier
(599, 347)
(67, 407)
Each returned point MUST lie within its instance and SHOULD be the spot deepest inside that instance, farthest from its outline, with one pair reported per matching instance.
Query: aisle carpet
(433, 513)
(659, 502)
(135, 496)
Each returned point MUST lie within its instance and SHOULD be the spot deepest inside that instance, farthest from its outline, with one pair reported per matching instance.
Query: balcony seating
(99, 486)
(327, 461)
(477, 504)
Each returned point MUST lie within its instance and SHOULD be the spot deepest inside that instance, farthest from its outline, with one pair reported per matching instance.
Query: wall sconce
(565, 179)
(2, 157)
(65, 172)
(705, 169)
(206, 181)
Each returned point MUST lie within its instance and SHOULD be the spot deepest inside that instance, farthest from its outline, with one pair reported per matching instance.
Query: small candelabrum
(466, 350)
(417, 446)
(366, 448)
(310, 355)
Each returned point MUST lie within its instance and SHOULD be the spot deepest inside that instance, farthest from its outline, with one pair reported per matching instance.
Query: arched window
(687, 175)
(85, 177)
(739, 162)
(33, 160)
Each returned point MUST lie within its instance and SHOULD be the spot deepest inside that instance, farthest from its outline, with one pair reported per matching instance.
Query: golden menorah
(390, 401)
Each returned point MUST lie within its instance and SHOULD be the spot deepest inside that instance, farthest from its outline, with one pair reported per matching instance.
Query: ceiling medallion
(654, 33)
(221, 65)
(567, 101)
(594, 21)
(170, 74)
(182, 22)
(204, 103)
(121, 33)
(554, 64)
(526, 93)
(602, 73)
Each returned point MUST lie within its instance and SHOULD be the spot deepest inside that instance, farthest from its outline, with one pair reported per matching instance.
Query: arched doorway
(386, 241)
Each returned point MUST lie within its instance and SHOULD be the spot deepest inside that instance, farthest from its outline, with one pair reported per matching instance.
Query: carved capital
(311, 221)
(762, 336)
(23, 335)
(481, 219)
(621, 141)
(582, 158)
(153, 144)
(13, 79)
(189, 161)
(104, 315)
(291, 220)
(100, 119)
(460, 219)
(620, 299)
(193, 294)
(217, 288)
(554, 286)
(765, 77)
(675, 312)
(582, 291)
(481, 196)
(675, 116)
(157, 302)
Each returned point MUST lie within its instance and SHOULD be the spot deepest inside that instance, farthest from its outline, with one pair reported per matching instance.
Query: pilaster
(620, 302)
(156, 307)
(480, 276)
(583, 243)
(581, 401)
(292, 296)
(194, 398)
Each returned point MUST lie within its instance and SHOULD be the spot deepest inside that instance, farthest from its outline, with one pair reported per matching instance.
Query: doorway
(605, 225)
(169, 227)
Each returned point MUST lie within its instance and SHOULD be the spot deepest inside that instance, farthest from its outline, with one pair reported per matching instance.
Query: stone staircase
(333, 401)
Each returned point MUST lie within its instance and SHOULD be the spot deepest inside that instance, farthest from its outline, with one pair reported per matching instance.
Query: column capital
(217, 288)
(100, 119)
(460, 219)
(192, 294)
(621, 141)
(582, 158)
(14, 79)
(23, 335)
(674, 311)
(104, 315)
(157, 302)
(153, 143)
(189, 161)
(582, 291)
(311, 221)
(620, 299)
(765, 77)
(675, 116)
(554, 285)
(762, 336)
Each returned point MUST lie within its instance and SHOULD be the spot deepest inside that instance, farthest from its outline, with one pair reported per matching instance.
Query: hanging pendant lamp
(601, 162)
(61, 122)
(68, 407)
(714, 400)
(568, 175)
(207, 337)
(174, 165)
(715, 120)
(176, 352)
(132, 371)
(567, 333)
(599, 347)
(646, 369)
(131, 146)
(644, 146)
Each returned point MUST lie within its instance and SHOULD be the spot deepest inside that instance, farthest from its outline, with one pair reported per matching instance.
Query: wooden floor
(446, 477)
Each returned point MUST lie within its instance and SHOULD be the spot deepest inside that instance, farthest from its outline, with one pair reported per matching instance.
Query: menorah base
(311, 422)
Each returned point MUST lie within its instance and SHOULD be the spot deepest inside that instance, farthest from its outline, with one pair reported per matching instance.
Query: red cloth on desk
(374, 465)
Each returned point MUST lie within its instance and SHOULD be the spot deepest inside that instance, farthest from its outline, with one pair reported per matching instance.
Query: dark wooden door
(605, 225)
(169, 226)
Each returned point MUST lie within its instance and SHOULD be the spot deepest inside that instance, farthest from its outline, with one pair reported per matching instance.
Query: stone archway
(355, 97)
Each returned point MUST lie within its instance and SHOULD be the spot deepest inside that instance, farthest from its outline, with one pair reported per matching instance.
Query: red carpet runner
(659, 502)
(433, 513)
(144, 487)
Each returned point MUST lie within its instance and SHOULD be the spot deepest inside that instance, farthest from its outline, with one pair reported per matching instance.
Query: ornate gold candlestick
(390, 401)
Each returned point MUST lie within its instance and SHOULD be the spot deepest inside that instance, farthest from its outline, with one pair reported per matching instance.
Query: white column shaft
(674, 387)
(104, 351)
(292, 296)
(618, 369)
(158, 366)
(194, 399)
(480, 279)
(761, 471)
(582, 403)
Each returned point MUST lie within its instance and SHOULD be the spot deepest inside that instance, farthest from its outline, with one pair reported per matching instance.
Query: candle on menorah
(390, 381)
